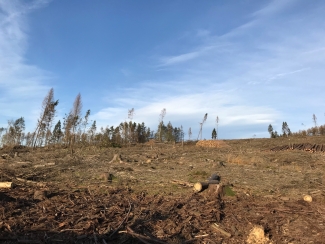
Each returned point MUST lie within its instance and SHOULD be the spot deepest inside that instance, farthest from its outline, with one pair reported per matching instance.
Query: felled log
(43, 165)
(200, 186)
(307, 146)
(300, 147)
(6, 185)
(31, 182)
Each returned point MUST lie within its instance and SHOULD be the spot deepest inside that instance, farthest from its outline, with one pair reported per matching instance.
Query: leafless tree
(201, 125)
(189, 133)
(161, 121)
(217, 122)
(130, 116)
(315, 120)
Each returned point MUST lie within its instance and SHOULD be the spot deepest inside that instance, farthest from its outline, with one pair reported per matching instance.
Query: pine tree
(14, 134)
(92, 132)
(214, 134)
(44, 123)
(72, 122)
(57, 133)
(285, 129)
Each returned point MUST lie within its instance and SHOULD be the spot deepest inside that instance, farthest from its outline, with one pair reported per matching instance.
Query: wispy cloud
(273, 7)
(255, 74)
(171, 60)
(187, 109)
(18, 80)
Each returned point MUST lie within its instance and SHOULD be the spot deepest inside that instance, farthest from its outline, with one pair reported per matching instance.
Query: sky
(251, 63)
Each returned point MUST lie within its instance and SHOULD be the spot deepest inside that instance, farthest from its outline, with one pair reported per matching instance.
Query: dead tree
(161, 121)
(201, 125)
(130, 116)
(189, 133)
(217, 122)
(315, 120)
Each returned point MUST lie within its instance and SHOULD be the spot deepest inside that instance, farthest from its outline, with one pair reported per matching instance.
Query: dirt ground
(144, 194)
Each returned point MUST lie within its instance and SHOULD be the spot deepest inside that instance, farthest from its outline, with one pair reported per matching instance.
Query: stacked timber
(211, 143)
(308, 147)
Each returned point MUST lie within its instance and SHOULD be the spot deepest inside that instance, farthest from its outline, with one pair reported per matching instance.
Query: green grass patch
(228, 191)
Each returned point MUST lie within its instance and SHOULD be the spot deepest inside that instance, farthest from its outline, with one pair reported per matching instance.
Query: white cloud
(189, 109)
(22, 85)
(256, 74)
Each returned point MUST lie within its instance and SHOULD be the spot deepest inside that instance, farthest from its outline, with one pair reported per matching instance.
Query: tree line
(76, 129)
(313, 131)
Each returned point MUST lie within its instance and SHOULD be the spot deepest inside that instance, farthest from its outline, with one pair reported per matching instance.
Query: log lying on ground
(6, 185)
(44, 165)
(200, 186)
(31, 182)
(213, 180)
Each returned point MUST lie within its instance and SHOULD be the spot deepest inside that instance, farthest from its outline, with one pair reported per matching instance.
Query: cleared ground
(143, 193)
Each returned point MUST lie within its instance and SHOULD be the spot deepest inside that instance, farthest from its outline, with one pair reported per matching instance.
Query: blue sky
(251, 63)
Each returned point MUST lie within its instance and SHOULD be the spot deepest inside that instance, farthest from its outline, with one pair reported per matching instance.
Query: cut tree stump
(116, 158)
(215, 190)
(6, 185)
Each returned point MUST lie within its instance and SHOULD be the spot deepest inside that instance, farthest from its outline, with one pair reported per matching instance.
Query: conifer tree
(92, 132)
(72, 122)
(214, 134)
(57, 133)
(44, 123)
(14, 134)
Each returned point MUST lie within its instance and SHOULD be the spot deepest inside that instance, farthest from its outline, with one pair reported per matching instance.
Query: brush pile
(211, 143)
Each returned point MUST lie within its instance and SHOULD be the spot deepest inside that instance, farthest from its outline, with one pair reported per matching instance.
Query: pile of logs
(308, 147)
(211, 143)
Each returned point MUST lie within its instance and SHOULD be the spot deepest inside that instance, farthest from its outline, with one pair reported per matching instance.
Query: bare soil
(143, 193)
